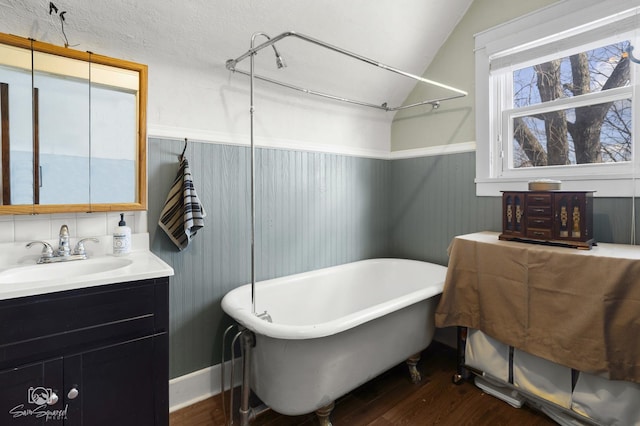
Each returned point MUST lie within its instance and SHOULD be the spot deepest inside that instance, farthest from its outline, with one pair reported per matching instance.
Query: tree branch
(529, 143)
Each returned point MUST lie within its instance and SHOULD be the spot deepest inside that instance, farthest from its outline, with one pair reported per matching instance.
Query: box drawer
(539, 222)
(540, 234)
(32, 317)
(539, 211)
(44, 326)
(539, 199)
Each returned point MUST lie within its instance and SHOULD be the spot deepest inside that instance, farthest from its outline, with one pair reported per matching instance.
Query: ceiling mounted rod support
(231, 66)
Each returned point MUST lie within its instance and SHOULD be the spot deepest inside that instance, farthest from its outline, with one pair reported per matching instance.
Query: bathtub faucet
(265, 316)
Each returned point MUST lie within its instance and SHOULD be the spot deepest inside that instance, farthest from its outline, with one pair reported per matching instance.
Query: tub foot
(412, 362)
(323, 414)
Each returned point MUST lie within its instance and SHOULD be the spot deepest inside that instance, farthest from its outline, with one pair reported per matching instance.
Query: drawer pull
(53, 398)
(538, 210)
(538, 234)
(538, 199)
(73, 393)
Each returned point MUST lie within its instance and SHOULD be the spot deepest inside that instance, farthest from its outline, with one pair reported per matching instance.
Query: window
(558, 101)
(562, 111)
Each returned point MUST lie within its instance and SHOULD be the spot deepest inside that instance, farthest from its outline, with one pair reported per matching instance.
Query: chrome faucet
(63, 253)
(63, 242)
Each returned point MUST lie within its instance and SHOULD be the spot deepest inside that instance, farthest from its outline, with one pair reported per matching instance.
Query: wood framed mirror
(73, 134)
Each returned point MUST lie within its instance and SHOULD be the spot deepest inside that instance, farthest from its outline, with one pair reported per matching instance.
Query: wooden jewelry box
(562, 218)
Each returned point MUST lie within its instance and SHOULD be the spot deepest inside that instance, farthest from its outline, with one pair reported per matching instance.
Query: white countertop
(140, 264)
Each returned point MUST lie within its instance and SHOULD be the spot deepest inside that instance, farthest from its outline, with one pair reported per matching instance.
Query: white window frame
(554, 30)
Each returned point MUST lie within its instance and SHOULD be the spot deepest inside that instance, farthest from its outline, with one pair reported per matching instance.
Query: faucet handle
(47, 249)
(79, 248)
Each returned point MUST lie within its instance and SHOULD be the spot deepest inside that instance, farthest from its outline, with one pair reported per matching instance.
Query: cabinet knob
(73, 393)
(53, 398)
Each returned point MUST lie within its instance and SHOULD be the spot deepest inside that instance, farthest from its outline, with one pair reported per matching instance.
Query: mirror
(73, 134)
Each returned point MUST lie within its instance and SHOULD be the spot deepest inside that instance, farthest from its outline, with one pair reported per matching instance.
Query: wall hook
(628, 51)
(183, 150)
(53, 9)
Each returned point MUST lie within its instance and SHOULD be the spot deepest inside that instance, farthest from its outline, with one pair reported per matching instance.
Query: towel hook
(183, 149)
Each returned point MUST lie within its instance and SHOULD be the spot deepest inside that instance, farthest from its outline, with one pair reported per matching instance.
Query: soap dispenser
(121, 238)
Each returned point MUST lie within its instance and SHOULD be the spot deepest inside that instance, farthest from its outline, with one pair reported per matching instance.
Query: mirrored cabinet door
(73, 135)
(62, 99)
(16, 132)
(114, 130)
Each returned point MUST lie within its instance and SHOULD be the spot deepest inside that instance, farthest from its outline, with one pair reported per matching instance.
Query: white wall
(186, 44)
(191, 93)
(199, 100)
(213, 104)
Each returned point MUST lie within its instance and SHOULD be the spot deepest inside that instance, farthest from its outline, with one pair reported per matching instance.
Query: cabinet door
(571, 216)
(124, 384)
(513, 214)
(31, 395)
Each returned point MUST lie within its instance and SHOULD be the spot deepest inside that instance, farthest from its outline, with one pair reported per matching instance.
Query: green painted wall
(454, 64)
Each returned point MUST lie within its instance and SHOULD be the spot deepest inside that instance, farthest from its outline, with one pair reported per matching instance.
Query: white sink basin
(20, 276)
(56, 271)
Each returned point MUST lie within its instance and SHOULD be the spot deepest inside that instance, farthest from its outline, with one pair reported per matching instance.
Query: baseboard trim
(200, 385)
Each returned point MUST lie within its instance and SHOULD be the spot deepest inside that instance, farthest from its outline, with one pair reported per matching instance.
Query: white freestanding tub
(336, 328)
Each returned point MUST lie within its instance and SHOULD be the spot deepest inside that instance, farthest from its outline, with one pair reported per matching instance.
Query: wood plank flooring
(391, 399)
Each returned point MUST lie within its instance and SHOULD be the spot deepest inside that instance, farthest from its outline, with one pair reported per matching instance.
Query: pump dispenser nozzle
(121, 238)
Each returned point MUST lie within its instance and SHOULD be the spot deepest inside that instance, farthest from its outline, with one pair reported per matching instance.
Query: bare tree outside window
(599, 132)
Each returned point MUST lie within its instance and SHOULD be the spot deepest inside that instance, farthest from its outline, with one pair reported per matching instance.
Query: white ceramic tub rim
(237, 304)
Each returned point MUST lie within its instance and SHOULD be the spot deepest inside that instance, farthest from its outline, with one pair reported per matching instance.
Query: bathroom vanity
(89, 350)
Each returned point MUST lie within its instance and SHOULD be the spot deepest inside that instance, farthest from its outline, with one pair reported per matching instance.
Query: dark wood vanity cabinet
(553, 217)
(90, 357)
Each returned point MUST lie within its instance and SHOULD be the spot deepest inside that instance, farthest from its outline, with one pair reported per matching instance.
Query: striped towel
(182, 215)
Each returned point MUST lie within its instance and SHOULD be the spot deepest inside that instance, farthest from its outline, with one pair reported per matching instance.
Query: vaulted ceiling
(405, 34)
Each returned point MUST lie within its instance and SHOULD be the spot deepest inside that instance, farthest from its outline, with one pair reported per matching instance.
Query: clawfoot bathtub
(336, 328)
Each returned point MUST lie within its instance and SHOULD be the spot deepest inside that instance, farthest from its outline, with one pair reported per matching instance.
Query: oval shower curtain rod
(231, 66)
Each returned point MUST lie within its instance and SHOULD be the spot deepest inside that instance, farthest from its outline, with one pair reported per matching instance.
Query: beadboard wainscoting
(313, 210)
(433, 199)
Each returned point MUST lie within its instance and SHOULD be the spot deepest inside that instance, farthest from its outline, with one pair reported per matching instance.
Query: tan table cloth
(578, 308)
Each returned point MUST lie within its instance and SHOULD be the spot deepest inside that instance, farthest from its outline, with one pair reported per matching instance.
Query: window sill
(603, 186)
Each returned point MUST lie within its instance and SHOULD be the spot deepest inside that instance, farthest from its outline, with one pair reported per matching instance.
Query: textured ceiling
(204, 33)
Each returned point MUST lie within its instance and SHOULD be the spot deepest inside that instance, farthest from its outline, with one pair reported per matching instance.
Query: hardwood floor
(391, 399)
